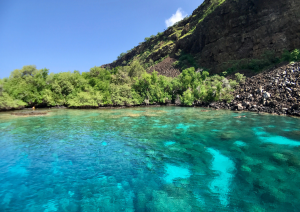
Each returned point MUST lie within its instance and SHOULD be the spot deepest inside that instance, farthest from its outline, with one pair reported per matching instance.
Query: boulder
(238, 107)
(246, 105)
(177, 100)
(266, 95)
(259, 91)
(296, 107)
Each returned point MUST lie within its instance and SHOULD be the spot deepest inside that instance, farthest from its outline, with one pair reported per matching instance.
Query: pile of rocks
(276, 91)
(165, 68)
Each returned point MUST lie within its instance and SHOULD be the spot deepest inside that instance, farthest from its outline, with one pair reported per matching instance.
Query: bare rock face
(106, 66)
(245, 29)
(165, 68)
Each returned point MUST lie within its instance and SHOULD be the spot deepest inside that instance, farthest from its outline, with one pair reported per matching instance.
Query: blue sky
(68, 35)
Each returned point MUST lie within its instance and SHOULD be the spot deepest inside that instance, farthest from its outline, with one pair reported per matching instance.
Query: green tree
(187, 97)
(135, 70)
(85, 99)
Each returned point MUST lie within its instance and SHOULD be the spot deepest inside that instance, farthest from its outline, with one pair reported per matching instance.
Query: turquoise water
(149, 159)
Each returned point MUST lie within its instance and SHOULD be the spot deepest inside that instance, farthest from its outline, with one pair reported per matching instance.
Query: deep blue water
(149, 159)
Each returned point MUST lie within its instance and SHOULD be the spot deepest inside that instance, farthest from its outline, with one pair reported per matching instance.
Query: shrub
(240, 77)
(187, 98)
(82, 99)
(295, 55)
(121, 55)
(7, 102)
(185, 61)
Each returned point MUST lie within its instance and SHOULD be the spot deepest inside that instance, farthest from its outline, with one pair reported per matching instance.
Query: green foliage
(153, 88)
(1, 87)
(7, 102)
(161, 59)
(160, 34)
(126, 85)
(83, 99)
(135, 70)
(121, 55)
(187, 98)
(122, 94)
(240, 77)
(198, 86)
(267, 60)
(147, 39)
(211, 8)
(151, 45)
(291, 56)
(185, 61)
(295, 55)
(203, 14)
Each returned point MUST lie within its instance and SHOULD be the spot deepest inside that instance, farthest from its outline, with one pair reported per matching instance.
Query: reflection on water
(149, 159)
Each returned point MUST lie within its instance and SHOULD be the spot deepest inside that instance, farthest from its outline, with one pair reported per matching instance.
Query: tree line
(127, 85)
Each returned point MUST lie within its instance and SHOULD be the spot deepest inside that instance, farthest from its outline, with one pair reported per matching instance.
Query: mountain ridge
(220, 32)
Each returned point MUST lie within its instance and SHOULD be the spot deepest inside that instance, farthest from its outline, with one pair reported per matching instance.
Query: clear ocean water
(155, 159)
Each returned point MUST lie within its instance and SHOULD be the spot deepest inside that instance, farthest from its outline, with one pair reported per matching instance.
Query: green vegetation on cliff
(268, 60)
(222, 36)
(126, 85)
(155, 49)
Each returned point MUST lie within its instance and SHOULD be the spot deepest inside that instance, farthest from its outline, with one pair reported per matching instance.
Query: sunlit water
(149, 159)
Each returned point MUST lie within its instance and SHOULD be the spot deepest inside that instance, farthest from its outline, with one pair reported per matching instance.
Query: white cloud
(178, 16)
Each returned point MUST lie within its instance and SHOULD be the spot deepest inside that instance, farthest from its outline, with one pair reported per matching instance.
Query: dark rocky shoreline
(214, 105)
(276, 92)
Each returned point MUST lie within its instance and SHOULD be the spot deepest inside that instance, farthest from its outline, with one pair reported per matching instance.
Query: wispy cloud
(178, 16)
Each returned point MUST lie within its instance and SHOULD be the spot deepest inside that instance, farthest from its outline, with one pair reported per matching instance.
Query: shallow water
(149, 159)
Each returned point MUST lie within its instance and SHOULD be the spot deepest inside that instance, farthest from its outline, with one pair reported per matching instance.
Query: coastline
(212, 106)
(275, 91)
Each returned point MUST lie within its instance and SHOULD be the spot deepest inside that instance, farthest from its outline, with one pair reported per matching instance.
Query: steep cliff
(221, 31)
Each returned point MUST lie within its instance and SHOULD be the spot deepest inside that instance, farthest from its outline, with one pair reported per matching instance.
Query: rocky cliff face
(245, 29)
(220, 31)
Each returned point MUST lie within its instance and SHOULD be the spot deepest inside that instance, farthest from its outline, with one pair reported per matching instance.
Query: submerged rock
(30, 113)
(246, 169)
(278, 157)
(227, 135)
(162, 202)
